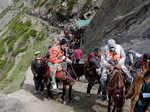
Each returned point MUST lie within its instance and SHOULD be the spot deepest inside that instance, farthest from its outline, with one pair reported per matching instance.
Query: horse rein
(73, 71)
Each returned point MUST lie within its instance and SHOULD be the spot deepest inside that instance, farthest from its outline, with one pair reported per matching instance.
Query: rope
(73, 71)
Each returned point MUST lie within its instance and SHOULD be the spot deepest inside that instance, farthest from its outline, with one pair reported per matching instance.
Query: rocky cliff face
(4, 4)
(127, 21)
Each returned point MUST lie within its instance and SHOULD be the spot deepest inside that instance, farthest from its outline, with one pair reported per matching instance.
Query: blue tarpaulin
(83, 23)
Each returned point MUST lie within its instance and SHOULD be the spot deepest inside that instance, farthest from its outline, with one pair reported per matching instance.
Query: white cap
(111, 43)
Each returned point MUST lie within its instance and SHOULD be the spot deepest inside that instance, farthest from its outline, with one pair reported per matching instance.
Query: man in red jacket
(96, 58)
(77, 54)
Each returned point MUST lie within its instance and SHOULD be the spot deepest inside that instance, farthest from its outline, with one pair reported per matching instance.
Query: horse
(88, 70)
(116, 90)
(92, 76)
(63, 76)
(76, 70)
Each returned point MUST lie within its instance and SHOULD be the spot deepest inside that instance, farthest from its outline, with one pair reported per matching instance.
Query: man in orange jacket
(55, 60)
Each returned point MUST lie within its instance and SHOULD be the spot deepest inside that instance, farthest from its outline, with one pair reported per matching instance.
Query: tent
(83, 23)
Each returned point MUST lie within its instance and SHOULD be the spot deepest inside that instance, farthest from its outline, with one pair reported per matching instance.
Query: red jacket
(55, 53)
(144, 66)
(78, 54)
(89, 56)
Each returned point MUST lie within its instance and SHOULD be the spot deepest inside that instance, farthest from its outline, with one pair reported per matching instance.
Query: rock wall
(127, 21)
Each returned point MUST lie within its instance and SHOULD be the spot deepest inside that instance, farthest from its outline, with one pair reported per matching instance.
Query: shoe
(54, 86)
(64, 102)
(88, 95)
(103, 98)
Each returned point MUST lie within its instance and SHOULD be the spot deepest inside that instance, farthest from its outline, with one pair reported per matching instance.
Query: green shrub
(4, 12)
(11, 63)
(54, 2)
(40, 36)
(13, 27)
(15, 20)
(10, 46)
(28, 23)
(33, 32)
(11, 41)
(14, 82)
(23, 29)
(43, 3)
(4, 33)
(24, 39)
(3, 63)
(2, 49)
(16, 52)
(18, 27)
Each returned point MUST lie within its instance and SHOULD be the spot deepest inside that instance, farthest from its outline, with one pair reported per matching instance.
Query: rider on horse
(112, 55)
(56, 58)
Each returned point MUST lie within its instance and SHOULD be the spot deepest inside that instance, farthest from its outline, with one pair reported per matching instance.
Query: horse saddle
(59, 67)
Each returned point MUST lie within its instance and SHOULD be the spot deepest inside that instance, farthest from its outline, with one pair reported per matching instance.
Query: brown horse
(63, 76)
(92, 76)
(116, 91)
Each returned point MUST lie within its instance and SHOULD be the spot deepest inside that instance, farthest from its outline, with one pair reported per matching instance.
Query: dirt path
(34, 103)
